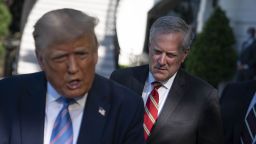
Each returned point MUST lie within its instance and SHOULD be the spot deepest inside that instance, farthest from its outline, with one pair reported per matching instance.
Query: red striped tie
(151, 109)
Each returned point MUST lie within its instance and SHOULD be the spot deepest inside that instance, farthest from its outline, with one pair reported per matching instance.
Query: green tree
(5, 19)
(212, 56)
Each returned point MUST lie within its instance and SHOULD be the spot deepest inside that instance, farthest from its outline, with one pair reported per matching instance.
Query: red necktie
(151, 109)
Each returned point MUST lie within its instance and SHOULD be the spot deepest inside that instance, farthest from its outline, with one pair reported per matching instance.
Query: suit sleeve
(135, 129)
(210, 123)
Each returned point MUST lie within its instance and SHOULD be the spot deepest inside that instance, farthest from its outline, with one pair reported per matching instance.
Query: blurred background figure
(237, 101)
(247, 59)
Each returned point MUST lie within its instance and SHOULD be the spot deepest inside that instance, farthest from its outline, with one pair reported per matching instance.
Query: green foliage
(212, 56)
(5, 19)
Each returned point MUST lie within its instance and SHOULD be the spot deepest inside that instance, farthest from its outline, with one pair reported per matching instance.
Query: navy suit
(25, 108)
(235, 101)
(4, 129)
(191, 113)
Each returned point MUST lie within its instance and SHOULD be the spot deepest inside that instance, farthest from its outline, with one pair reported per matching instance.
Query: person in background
(67, 103)
(179, 108)
(246, 64)
(238, 112)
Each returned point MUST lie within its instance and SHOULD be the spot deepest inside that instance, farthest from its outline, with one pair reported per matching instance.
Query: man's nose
(162, 59)
(72, 65)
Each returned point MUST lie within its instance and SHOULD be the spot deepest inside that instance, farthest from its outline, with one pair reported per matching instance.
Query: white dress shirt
(52, 109)
(162, 91)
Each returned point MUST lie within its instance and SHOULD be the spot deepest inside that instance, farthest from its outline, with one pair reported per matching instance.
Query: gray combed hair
(62, 25)
(172, 24)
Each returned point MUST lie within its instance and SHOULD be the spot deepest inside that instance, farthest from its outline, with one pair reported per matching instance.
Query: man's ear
(39, 58)
(185, 54)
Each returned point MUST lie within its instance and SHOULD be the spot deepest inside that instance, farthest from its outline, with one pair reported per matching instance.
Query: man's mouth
(160, 68)
(74, 84)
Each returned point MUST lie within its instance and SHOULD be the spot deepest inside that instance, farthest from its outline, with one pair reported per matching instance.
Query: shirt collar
(166, 84)
(52, 94)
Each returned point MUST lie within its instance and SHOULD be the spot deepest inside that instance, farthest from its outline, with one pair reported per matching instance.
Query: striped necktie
(62, 132)
(151, 110)
(249, 128)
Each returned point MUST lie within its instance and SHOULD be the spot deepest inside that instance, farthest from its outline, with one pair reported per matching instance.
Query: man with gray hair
(179, 108)
(67, 103)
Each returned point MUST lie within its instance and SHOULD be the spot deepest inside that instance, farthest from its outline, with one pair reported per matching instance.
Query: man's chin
(73, 94)
(159, 77)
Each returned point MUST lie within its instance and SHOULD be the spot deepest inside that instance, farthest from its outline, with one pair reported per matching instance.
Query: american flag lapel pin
(102, 111)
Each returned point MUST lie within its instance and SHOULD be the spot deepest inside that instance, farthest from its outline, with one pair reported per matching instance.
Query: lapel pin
(102, 111)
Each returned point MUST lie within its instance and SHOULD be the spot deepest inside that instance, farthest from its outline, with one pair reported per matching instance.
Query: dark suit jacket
(235, 100)
(122, 123)
(190, 114)
(4, 130)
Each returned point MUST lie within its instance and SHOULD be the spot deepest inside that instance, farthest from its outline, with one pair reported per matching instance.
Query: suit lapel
(175, 95)
(32, 110)
(95, 113)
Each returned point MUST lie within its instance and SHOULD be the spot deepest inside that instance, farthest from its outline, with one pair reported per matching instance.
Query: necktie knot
(66, 101)
(156, 84)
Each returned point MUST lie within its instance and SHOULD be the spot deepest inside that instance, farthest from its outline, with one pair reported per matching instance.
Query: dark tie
(151, 110)
(249, 127)
(62, 132)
